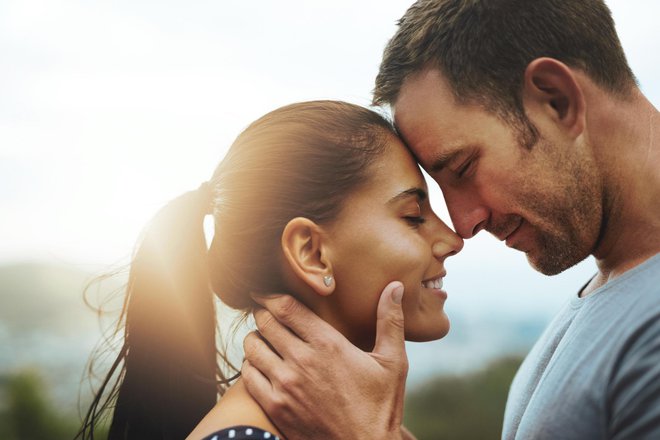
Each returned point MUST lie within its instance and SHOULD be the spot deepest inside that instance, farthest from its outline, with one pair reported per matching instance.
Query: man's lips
(510, 238)
(506, 229)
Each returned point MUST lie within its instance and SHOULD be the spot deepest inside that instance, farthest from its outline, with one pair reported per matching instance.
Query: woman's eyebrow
(416, 192)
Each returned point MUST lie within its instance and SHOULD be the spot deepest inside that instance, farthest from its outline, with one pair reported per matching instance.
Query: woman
(320, 199)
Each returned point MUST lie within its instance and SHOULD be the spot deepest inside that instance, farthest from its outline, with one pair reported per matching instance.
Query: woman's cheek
(415, 258)
(413, 255)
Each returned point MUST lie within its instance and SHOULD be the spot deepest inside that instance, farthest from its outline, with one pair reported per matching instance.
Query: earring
(327, 280)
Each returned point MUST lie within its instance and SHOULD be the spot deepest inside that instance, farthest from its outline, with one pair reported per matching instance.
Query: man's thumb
(389, 327)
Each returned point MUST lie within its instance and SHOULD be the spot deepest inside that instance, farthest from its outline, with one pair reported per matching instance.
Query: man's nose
(468, 214)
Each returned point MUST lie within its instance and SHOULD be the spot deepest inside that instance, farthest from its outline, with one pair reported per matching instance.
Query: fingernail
(397, 294)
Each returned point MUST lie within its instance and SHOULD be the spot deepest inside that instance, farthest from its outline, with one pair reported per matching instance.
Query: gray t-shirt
(595, 371)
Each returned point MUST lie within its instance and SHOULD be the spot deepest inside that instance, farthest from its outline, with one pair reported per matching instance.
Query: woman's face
(387, 231)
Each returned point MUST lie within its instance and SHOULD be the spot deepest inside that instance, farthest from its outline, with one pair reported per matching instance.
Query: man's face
(545, 200)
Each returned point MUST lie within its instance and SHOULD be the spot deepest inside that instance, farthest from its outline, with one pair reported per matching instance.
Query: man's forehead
(425, 88)
(434, 147)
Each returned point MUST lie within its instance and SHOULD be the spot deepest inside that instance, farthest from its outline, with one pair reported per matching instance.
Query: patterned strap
(242, 433)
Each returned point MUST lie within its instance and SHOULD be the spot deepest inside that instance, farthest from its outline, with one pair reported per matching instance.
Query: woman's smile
(433, 283)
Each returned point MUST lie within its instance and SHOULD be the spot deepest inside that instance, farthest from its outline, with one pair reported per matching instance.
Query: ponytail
(169, 377)
(166, 377)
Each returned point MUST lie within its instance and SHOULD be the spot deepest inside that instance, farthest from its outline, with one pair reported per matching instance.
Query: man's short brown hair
(482, 47)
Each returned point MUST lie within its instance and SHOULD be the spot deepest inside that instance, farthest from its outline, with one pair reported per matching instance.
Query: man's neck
(625, 136)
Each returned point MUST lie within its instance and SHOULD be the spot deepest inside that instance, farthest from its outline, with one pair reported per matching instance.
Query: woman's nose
(447, 243)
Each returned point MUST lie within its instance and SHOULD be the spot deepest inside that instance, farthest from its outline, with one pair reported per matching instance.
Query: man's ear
(551, 88)
(307, 255)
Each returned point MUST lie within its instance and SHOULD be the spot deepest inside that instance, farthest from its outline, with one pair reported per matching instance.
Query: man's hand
(321, 386)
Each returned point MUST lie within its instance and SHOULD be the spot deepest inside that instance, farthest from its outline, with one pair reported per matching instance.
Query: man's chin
(554, 262)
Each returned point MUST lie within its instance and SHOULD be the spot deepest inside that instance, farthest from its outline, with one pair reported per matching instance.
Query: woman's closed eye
(412, 212)
(414, 220)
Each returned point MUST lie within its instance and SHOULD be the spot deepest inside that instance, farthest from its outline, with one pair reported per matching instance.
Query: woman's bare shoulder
(235, 408)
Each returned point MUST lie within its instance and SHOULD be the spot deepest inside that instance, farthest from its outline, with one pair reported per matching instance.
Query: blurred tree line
(26, 412)
(465, 407)
(448, 407)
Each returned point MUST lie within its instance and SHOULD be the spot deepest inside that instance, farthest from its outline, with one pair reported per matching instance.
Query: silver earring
(327, 280)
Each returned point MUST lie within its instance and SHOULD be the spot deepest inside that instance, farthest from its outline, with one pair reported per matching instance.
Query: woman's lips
(433, 283)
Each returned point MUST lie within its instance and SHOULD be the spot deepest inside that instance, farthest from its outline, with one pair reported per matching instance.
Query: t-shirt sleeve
(242, 433)
(634, 394)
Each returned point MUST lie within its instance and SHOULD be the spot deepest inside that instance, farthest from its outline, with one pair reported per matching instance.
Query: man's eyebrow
(442, 160)
(418, 193)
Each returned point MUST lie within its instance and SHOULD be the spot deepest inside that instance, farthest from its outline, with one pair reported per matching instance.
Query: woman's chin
(437, 330)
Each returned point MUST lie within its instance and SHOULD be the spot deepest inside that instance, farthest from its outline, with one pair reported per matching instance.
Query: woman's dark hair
(301, 160)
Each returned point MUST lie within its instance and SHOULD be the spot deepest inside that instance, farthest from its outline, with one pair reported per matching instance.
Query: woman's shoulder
(236, 413)
(241, 433)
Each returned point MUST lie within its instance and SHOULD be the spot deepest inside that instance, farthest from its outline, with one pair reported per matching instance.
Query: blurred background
(110, 109)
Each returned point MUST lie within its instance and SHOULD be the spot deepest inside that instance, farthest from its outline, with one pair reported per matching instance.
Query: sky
(110, 109)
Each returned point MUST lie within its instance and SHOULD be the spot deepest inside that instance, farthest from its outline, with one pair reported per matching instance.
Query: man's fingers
(293, 315)
(279, 338)
(390, 341)
(256, 383)
(260, 354)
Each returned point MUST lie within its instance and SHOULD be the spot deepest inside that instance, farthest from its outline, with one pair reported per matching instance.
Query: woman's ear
(551, 88)
(307, 255)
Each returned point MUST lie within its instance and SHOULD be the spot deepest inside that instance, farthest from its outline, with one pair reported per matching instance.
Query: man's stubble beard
(569, 213)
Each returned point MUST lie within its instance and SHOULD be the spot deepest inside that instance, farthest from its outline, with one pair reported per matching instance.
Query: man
(527, 115)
